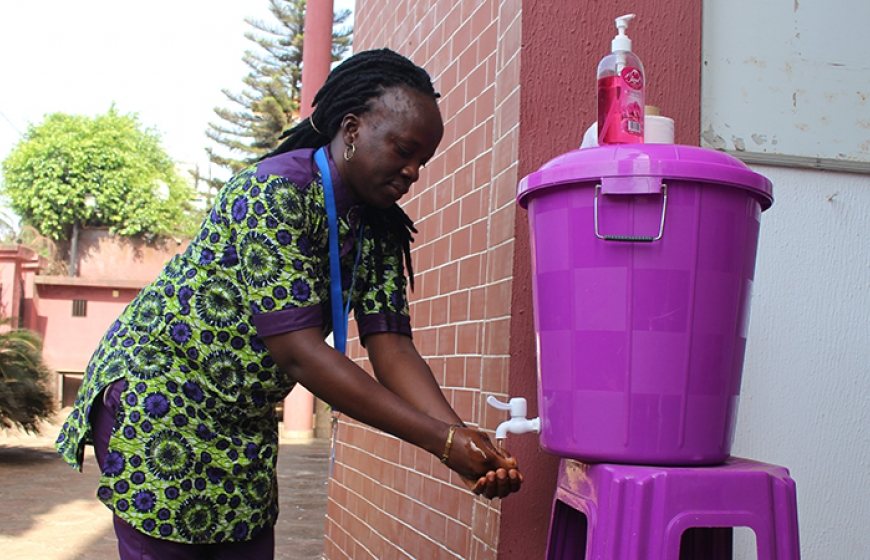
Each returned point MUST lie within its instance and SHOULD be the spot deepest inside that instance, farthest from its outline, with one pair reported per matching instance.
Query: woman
(179, 397)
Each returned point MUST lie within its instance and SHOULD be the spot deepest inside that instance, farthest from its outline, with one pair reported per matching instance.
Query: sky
(165, 60)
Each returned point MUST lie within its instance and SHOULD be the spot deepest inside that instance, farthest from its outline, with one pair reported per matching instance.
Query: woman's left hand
(503, 476)
(495, 484)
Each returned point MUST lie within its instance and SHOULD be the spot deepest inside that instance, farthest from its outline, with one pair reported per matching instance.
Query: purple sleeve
(383, 322)
(288, 320)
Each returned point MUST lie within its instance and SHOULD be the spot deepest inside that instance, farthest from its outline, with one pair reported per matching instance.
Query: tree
(24, 397)
(269, 103)
(105, 171)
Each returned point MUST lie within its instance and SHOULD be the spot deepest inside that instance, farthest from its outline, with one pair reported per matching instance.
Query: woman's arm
(338, 381)
(401, 369)
(304, 356)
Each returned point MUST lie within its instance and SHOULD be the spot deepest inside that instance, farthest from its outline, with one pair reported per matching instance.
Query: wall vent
(80, 308)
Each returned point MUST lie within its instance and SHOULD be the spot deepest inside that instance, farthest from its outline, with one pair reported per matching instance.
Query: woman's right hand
(484, 469)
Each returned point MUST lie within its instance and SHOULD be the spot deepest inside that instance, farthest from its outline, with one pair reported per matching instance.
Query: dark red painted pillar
(316, 60)
(316, 50)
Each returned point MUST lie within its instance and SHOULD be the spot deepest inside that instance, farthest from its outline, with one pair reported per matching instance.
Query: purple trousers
(135, 545)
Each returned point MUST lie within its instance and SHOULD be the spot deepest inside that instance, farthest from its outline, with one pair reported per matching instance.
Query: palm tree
(24, 396)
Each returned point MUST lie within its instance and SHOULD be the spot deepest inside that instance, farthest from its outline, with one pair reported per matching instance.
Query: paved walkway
(48, 511)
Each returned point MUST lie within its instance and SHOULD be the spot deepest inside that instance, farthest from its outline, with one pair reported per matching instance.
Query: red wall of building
(112, 270)
(106, 256)
(12, 259)
(562, 44)
(518, 85)
(68, 341)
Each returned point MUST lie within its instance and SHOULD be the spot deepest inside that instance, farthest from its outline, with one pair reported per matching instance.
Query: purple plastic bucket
(643, 258)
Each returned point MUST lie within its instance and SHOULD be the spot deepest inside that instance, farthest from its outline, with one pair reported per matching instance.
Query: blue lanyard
(340, 310)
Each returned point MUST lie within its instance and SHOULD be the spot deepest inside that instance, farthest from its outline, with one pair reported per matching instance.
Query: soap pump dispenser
(621, 86)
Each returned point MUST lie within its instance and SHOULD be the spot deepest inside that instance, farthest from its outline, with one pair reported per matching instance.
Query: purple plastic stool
(629, 512)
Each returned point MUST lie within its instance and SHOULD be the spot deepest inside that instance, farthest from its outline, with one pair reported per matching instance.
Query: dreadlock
(350, 88)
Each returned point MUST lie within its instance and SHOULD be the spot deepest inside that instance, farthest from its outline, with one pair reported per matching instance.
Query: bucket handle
(631, 238)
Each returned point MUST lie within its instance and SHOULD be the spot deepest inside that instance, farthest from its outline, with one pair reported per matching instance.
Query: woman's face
(393, 140)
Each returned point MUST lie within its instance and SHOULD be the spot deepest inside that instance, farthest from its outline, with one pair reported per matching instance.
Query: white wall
(805, 400)
(787, 78)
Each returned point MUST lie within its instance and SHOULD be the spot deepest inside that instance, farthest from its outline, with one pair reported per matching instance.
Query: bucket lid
(662, 161)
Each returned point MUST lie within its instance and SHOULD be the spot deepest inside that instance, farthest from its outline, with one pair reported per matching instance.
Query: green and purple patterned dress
(193, 452)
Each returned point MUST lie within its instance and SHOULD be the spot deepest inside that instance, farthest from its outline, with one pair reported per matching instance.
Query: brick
(463, 180)
(507, 112)
(458, 538)
(470, 271)
(475, 143)
(458, 307)
(446, 340)
(510, 36)
(471, 208)
(483, 163)
(501, 226)
(454, 373)
(450, 218)
(440, 310)
(423, 258)
(479, 237)
(484, 525)
(426, 341)
(484, 110)
(428, 283)
(464, 403)
(487, 41)
(504, 187)
(439, 365)
(505, 151)
(498, 298)
(476, 82)
(427, 202)
(465, 123)
(461, 40)
(473, 371)
(460, 242)
(507, 76)
(420, 316)
(500, 263)
(468, 338)
(449, 277)
(497, 337)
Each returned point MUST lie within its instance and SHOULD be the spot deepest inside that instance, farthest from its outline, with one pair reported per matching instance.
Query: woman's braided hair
(350, 88)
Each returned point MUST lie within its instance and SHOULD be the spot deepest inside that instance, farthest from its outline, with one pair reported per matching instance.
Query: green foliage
(24, 398)
(269, 102)
(109, 160)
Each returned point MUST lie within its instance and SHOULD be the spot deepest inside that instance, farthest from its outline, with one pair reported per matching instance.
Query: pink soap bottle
(620, 91)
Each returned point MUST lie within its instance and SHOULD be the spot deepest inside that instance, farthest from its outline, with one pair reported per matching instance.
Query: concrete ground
(48, 511)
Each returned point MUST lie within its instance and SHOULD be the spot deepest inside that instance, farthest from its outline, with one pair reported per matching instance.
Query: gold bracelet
(448, 445)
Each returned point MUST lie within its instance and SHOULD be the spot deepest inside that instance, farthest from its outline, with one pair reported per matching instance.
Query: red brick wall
(472, 310)
(388, 499)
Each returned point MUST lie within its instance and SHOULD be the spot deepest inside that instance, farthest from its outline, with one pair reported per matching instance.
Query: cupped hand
(496, 484)
(484, 469)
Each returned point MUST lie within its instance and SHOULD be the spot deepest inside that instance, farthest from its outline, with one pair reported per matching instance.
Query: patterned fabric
(193, 452)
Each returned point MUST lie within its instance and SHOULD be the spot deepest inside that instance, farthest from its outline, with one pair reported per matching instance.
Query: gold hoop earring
(349, 151)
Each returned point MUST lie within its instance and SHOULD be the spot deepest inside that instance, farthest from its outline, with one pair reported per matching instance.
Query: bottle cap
(622, 42)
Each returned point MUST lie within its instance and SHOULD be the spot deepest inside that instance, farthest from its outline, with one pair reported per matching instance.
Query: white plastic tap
(518, 423)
